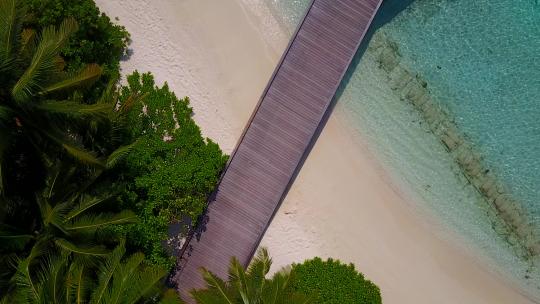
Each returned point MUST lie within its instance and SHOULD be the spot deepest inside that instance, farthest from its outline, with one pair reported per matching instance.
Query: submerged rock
(513, 222)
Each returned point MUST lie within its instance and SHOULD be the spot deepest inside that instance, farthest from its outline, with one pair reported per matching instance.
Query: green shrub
(98, 40)
(334, 283)
(172, 169)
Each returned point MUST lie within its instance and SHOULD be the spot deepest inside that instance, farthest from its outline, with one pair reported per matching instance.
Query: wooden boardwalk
(277, 138)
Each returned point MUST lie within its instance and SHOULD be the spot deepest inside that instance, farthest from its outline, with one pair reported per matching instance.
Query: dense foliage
(97, 40)
(55, 236)
(75, 183)
(115, 278)
(170, 171)
(334, 283)
(54, 232)
(251, 286)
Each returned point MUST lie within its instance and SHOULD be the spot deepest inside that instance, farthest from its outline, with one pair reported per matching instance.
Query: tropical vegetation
(313, 281)
(67, 279)
(170, 171)
(97, 39)
(91, 174)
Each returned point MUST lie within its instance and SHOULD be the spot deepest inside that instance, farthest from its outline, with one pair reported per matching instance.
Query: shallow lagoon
(479, 64)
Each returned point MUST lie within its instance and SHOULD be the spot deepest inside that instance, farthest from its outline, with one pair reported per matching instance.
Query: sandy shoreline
(342, 204)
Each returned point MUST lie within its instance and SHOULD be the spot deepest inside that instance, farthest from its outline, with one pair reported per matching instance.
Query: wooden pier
(277, 138)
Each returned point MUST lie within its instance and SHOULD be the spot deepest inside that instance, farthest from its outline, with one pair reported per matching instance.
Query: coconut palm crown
(39, 103)
(115, 279)
(251, 286)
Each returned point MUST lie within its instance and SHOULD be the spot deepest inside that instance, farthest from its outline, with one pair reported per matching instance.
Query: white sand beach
(343, 204)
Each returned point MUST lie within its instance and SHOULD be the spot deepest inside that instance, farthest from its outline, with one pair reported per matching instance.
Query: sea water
(448, 94)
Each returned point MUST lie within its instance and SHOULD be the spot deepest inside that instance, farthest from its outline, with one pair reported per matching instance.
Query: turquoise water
(486, 71)
(469, 69)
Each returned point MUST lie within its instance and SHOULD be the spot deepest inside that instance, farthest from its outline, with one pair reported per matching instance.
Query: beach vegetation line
(91, 173)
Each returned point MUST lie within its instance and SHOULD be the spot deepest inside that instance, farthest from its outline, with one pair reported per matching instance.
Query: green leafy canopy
(171, 170)
(319, 277)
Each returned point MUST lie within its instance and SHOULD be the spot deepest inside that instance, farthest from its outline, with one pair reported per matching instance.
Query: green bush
(172, 168)
(333, 283)
(98, 40)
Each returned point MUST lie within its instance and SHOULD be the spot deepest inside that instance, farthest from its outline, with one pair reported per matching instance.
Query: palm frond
(126, 282)
(119, 154)
(207, 297)
(44, 61)
(238, 278)
(52, 215)
(130, 101)
(42, 66)
(251, 286)
(26, 287)
(96, 251)
(54, 174)
(75, 109)
(81, 154)
(23, 277)
(170, 296)
(275, 290)
(258, 269)
(28, 42)
(6, 65)
(51, 283)
(78, 284)
(6, 116)
(261, 263)
(57, 280)
(5, 143)
(105, 274)
(94, 222)
(67, 28)
(11, 13)
(86, 203)
(121, 278)
(217, 291)
(110, 94)
(86, 76)
(46, 210)
(90, 180)
(142, 283)
(8, 265)
(12, 238)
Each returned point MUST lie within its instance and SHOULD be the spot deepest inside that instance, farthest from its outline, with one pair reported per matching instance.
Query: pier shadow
(388, 11)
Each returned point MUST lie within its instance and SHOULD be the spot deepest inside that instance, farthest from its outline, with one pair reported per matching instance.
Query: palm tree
(70, 221)
(64, 280)
(39, 107)
(249, 287)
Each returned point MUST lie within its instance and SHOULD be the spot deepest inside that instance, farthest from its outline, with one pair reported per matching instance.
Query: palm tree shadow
(127, 55)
